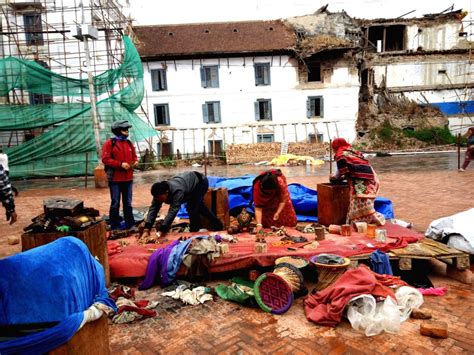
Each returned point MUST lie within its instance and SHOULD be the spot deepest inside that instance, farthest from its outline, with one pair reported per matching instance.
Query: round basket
(292, 275)
(273, 294)
(296, 261)
(329, 273)
(302, 264)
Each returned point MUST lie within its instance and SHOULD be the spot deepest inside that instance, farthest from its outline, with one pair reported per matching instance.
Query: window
(211, 112)
(316, 138)
(33, 29)
(314, 72)
(162, 115)
(215, 147)
(40, 99)
(158, 80)
(262, 74)
(210, 76)
(386, 38)
(265, 138)
(263, 110)
(314, 106)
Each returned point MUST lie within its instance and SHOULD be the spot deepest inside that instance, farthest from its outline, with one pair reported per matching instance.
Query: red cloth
(113, 157)
(133, 260)
(269, 201)
(140, 310)
(326, 307)
(350, 162)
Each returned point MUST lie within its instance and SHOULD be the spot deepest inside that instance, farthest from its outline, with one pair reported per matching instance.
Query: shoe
(461, 170)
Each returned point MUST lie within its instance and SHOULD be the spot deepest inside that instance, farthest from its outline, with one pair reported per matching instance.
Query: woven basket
(329, 273)
(273, 294)
(296, 261)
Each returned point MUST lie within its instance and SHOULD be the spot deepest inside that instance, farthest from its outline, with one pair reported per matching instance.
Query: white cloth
(459, 228)
(195, 296)
(4, 161)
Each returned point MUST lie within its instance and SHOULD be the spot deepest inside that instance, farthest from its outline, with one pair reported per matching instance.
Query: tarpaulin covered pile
(54, 283)
(304, 199)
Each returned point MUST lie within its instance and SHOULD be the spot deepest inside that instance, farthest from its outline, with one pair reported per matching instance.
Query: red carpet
(132, 260)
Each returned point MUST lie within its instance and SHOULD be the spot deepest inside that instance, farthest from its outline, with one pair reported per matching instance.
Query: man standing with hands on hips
(119, 157)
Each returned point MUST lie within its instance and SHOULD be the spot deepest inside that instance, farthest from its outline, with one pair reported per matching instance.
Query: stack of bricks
(253, 153)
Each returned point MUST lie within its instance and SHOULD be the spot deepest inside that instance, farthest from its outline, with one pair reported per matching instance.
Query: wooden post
(205, 160)
(459, 150)
(87, 169)
(330, 157)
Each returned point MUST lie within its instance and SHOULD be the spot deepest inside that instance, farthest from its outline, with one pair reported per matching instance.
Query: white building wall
(435, 37)
(237, 93)
(431, 71)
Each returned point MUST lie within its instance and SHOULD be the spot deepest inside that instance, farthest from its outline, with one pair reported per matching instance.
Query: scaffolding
(42, 31)
(68, 69)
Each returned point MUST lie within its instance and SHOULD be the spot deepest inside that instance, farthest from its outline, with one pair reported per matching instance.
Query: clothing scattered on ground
(197, 295)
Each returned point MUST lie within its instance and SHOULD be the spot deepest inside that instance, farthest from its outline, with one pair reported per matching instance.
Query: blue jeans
(117, 189)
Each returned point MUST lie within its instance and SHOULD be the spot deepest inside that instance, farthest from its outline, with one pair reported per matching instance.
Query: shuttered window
(314, 106)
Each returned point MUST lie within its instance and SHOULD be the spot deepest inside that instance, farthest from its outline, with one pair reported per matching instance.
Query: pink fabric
(433, 291)
(327, 306)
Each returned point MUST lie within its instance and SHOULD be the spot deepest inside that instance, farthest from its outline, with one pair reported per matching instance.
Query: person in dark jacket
(119, 157)
(189, 188)
(6, 196)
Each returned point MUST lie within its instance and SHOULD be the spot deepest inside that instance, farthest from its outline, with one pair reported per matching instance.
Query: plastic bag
(372, 318)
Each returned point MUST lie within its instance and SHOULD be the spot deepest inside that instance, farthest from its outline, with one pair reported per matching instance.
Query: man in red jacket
(119, 157)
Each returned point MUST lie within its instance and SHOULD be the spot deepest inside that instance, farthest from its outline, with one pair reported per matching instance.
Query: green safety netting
(68, 141)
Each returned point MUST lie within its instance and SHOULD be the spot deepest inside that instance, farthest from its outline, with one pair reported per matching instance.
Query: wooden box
(94, 237)
(333, 203)
(92, 338)
(217, 200)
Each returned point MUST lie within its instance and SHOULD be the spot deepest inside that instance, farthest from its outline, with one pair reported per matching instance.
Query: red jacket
(114, 153)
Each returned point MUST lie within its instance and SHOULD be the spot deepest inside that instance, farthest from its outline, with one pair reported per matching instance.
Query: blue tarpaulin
(55, 282)
(304, 199)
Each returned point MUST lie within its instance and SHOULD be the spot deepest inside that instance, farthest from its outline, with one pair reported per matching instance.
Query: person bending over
(272, 201)
(189, 188)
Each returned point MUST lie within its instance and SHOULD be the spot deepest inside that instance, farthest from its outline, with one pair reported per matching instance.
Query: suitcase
(217, 200)
(61, 206)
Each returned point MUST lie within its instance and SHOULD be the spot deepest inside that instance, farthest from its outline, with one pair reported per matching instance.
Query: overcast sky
(149, 12)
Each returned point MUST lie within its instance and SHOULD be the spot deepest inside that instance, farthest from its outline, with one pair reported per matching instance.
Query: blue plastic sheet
(304, 199)
(56, 282)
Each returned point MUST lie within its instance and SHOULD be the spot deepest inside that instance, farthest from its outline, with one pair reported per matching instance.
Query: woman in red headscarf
(362, 180)
(272, 201)
(470, 149)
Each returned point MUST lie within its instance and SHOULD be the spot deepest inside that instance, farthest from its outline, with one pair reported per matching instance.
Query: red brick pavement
(224, 327)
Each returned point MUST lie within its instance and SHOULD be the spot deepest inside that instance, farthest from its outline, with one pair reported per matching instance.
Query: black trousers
(196, 207)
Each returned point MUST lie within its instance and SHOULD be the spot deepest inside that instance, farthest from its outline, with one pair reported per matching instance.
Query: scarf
(263, 198)
(350, 161)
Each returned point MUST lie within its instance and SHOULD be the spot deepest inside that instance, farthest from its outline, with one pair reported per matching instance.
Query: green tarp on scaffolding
(69, 135)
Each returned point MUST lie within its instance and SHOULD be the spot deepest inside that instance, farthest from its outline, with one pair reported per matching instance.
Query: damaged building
(416, 71)
(210, 85)
(303, 79)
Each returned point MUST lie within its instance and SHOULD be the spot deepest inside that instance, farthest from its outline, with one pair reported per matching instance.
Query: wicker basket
(329, 273)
